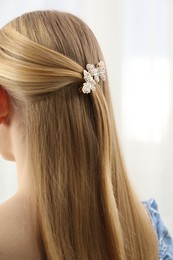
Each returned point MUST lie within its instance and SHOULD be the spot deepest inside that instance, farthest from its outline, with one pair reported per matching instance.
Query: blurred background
(137, 40)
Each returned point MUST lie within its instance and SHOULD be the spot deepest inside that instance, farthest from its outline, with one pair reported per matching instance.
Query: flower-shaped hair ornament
(92, 76)
(98, 72)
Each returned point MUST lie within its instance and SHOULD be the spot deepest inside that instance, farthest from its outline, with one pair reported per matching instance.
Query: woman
(74, 199)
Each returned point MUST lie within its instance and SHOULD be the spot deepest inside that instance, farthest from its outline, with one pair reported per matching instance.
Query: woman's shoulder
(164, 239)
(16, 239)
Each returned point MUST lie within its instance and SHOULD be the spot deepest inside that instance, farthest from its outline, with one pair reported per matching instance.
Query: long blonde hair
(86, 207)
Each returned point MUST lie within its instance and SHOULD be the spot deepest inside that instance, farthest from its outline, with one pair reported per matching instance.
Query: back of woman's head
(86, 208)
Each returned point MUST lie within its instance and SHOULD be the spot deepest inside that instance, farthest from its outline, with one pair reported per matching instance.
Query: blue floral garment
(164, 238)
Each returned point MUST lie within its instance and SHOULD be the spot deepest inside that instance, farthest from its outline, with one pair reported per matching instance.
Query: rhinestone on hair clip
(92, 76)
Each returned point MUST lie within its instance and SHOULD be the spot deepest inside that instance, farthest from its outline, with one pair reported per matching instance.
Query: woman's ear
(4, 105)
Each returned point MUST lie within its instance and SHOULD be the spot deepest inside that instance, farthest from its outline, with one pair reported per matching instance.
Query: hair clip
(92, 76)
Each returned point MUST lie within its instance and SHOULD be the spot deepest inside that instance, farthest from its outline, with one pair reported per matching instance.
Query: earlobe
(1, 119)
(4, 105)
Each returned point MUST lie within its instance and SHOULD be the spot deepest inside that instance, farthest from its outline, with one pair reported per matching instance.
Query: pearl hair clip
(92, 76)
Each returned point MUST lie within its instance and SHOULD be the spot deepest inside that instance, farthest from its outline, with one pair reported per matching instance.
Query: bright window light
(146, 98)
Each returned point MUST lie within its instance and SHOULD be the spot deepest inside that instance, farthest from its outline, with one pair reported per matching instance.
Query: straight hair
(86, 207)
